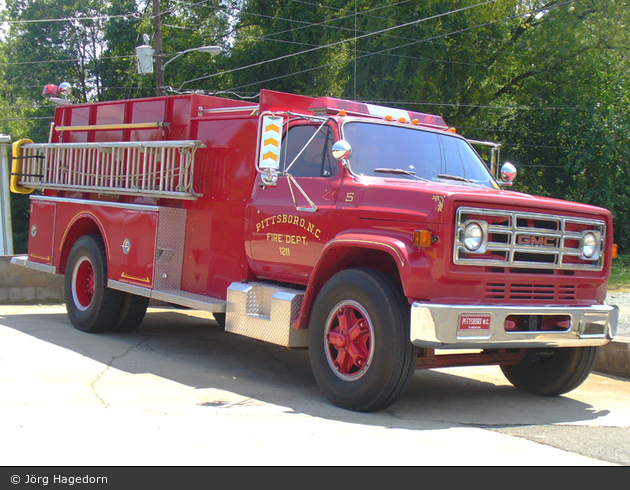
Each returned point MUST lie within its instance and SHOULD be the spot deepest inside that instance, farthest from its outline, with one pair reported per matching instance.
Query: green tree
(569, 104)
(284, 45)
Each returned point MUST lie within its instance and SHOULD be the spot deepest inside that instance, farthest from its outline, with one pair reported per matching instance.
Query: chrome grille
(529, 292)
(529, 240)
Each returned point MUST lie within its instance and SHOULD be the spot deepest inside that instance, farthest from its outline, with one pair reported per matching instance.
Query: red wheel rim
(83, 283)
(349, 340)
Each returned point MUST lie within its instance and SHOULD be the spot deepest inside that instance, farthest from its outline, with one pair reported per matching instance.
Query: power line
(69, 60)
(439, 36)
(266, 37)
(71, 19)
(262, 37)
(381, 31)
(350, 14)
(365, 54)
(25, 118)
(326, 22)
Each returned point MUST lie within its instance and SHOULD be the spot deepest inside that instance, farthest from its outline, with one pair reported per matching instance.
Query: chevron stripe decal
(271, 141)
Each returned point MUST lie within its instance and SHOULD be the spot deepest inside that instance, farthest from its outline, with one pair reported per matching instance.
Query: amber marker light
(452, 130)
(422, 238)
(614, 251)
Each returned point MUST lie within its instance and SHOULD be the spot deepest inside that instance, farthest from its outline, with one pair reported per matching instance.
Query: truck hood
(400, 200)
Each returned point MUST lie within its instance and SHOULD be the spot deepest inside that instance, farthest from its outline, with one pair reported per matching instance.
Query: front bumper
(484, 327)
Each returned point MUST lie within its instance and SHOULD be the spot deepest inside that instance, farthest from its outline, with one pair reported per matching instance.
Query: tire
(220, 319)
(91, 305)
(132, 311)
(552, 372)
(366, 367)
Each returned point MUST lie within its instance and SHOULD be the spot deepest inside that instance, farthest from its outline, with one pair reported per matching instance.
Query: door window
(314, 160)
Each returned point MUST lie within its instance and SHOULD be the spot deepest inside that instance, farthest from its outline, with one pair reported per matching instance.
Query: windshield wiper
(398, 171)
(454, 177)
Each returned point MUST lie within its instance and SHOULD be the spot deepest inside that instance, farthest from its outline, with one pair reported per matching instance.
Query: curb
(614, 359)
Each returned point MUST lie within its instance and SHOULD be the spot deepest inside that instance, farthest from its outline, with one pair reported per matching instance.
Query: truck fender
(84, 223)
(349, 250)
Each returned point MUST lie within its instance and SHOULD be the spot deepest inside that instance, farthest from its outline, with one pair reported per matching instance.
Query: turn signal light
(422, 238)
(614, 251)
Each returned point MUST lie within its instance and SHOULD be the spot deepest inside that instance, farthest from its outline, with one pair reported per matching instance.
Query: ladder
(149, 168)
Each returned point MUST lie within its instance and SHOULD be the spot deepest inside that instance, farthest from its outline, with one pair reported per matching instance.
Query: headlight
(473, 237)
(590, 245)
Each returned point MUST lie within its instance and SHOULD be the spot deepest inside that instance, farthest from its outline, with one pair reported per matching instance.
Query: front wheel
(359, 346)
(552, 372)
(91, 305)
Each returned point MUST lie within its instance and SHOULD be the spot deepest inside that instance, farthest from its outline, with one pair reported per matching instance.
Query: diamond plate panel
(265, 312)
(170, 248)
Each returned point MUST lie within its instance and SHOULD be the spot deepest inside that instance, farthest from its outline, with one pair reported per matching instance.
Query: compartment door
(138, 247)
(42, 231)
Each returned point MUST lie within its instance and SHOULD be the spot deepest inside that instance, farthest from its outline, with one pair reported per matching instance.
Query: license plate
(474, 322)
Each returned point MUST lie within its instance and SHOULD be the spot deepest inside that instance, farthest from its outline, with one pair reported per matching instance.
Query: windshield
(408, 153)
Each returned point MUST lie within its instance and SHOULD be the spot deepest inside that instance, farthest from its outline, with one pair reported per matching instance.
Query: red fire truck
(375, 237)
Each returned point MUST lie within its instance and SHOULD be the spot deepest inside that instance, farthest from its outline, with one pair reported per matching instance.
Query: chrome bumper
(483, 327)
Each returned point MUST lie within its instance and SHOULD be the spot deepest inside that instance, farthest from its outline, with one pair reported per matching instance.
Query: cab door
(289, 222)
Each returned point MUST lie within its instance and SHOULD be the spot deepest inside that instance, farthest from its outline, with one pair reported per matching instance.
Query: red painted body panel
(214, 254)
(136, 265)
(42, 230)
(67, 221)
(287, 243)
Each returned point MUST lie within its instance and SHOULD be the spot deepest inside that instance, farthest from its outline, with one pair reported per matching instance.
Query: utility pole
(354, 92)
(157, 38)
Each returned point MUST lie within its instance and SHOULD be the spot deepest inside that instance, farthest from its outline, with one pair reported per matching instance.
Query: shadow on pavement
(194, 351)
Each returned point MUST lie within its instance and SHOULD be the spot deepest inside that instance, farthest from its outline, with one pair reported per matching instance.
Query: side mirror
(508, 174)
(341, 151)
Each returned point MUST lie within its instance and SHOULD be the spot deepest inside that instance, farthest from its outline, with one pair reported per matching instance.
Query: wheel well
(83, 226)
(341, 258)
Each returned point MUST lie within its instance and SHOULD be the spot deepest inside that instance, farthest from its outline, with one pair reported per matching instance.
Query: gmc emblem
(537, 241)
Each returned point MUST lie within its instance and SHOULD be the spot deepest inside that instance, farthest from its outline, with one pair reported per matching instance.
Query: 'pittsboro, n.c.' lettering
(290, 219)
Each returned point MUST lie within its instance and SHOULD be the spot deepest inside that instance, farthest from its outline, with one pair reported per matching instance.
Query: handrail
(495, 151)
(121, 144)
(111, 127)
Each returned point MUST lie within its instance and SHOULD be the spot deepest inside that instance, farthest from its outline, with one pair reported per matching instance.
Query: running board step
(190, 300)
(265, 312)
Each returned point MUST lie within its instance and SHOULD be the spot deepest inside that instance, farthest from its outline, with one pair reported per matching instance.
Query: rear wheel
(552, 372)
(359, 346)
(91, 305)
(132, 311)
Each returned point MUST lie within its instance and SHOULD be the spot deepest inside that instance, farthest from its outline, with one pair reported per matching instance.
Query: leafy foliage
(548, 79)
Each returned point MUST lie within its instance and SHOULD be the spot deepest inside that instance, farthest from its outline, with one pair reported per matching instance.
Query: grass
(620, 274)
